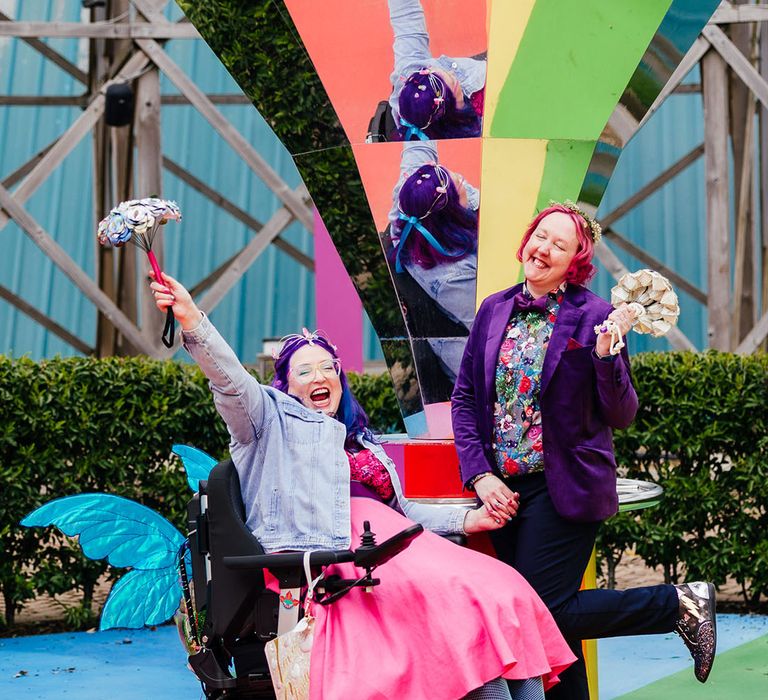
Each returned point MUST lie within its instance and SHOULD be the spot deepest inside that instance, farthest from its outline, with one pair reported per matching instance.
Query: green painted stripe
(574, 61)
(738, 673)
(564, 170)
(565, 167)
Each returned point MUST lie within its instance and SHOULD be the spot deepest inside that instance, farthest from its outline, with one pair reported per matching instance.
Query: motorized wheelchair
(230, 611)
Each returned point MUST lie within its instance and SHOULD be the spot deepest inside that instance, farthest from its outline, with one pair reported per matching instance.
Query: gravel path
(632, 571)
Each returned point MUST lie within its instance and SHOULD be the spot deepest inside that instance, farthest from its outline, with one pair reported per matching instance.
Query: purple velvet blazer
(582, 399)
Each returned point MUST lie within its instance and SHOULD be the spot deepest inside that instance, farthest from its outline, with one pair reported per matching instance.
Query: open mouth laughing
(321, 398)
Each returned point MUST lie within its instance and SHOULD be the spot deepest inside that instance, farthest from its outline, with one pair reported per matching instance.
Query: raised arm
(239, 398)
(411, 43)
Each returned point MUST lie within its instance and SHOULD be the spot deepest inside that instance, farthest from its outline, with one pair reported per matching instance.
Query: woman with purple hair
(310, 470)
(433, 225)
(432, 98)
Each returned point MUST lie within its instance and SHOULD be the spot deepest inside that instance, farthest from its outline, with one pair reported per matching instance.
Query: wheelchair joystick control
(367, 539)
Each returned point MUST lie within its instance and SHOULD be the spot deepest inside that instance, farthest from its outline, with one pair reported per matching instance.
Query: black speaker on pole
(118, 106)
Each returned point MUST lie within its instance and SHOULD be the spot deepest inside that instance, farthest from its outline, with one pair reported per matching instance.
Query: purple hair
(427, 103)
(350, 412)
(454, 226)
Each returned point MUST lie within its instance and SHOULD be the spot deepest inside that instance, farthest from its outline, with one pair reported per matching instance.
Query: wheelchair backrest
(237, 603)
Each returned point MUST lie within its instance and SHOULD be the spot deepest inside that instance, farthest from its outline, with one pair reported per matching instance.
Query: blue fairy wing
(142, 598)
(198, 464)
(125, 533)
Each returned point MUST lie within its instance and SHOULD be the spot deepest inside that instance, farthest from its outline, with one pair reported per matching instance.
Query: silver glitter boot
(696, 624)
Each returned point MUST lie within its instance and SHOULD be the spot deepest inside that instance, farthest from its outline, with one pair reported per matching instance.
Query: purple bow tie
(523, 302)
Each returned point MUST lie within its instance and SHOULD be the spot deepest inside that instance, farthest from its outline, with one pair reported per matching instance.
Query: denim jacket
(411, 49)
(294, 473)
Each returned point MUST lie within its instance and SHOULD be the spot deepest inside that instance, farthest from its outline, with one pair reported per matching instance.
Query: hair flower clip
(310, 337)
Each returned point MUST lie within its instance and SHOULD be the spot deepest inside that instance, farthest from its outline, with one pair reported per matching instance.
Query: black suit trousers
(552, 554)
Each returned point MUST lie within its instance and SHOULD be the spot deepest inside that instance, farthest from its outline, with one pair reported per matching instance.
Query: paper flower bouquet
(137, 221)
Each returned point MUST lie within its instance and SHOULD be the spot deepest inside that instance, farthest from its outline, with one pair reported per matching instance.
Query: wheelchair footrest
(209, 672)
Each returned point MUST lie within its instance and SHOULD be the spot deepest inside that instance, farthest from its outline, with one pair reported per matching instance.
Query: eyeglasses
(306, 372)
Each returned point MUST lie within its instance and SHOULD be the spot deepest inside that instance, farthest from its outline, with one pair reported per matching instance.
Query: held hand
(623, 318)
(495, 495)
(481, 520)
(172, 293)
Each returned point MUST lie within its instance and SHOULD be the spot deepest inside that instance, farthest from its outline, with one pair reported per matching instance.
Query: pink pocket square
(573, 345)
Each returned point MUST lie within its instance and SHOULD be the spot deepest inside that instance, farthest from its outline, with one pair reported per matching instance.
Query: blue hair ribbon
(413, 222)
(413, 130)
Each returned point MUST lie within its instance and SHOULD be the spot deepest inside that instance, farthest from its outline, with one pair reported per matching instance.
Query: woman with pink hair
(535, 403)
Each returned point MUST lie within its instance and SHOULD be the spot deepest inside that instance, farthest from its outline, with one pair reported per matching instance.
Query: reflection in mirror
(383, 61)
(433, 97)
(401, 367)
(428, 224)
(437, 364)
(433, 233)
(351, 227)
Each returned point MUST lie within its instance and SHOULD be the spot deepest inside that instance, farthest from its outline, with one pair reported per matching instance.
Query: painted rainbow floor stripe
(125, 665)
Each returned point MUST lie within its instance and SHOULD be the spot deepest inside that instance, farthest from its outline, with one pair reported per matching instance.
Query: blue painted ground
(113, 665)
(629, 663)
(124, 665)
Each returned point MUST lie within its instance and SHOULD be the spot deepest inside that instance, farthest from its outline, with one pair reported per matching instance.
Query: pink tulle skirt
(444, 620)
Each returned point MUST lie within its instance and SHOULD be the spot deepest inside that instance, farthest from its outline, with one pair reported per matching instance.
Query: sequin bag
(289, 654)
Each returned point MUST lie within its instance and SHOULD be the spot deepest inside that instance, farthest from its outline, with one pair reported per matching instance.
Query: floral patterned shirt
(517, 441)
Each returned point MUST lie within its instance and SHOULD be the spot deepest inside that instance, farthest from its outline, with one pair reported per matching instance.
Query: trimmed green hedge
(77, 425)
(702, 433)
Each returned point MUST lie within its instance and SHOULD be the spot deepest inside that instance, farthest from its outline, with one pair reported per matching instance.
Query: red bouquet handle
(169, 330)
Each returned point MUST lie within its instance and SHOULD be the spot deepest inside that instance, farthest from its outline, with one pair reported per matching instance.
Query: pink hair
(581, 268)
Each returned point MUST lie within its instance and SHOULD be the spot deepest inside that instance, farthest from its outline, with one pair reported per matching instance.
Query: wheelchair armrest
(376, 555)
(284, 560)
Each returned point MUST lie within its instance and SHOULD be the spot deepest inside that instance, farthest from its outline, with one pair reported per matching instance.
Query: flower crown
(438, 87)
(441, 188)
(306, 334)
(595, 229)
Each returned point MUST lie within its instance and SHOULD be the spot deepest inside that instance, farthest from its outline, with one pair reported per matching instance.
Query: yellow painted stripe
(507, 22)
(589, 646)
(511, 178)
